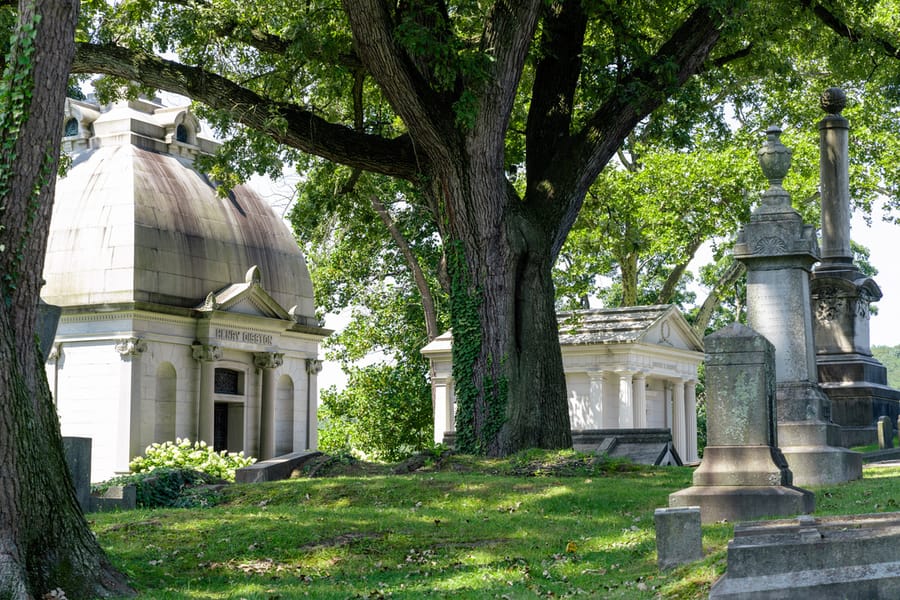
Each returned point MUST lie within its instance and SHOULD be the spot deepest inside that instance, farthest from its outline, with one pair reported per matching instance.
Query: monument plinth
(743, 474)
(779, 250)
(853, 379)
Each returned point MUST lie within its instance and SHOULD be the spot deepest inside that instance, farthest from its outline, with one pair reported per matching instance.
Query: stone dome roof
(134, 222)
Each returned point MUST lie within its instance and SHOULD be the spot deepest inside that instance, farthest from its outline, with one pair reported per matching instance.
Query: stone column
(690, 419)
(743, 474)
(139, 434)
(267, 362)
(313, 368)
(639, 393)
(778, 250)
(834, 176)
(626, 400)
(439, 407)
(668, 397)
(610, 398)
(596, 398)
(678, 424)
(207, 355)
(855, 382)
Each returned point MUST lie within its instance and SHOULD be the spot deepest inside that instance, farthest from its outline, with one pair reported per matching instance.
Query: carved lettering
(246, 337)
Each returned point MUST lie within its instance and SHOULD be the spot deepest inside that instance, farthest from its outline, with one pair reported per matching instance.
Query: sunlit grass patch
(455, 532)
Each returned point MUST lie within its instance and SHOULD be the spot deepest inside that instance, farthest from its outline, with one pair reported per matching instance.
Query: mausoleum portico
(626, 369)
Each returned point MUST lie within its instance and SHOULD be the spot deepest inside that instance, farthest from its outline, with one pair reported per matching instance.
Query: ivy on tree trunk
(45, 542)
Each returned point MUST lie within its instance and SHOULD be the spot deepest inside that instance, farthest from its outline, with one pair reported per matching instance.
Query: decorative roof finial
(833, 100)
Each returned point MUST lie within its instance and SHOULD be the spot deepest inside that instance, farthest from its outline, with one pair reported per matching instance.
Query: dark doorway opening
(220, 427)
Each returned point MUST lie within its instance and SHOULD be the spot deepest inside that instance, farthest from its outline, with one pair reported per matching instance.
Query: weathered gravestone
(778, 250)
(832, 558)
(679, 538)
(78, 459)
(853, 379)
(743, 474)
(885, 433)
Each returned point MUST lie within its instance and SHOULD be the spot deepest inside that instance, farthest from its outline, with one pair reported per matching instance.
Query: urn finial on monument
(774, 157)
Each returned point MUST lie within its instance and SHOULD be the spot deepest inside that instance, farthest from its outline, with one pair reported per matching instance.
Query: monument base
(822, 465)
(831, 557)
(856, 406)
(742, 466)
(743, 502)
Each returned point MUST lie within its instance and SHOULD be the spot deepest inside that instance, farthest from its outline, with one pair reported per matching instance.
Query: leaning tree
(45, 542)
(502, 114)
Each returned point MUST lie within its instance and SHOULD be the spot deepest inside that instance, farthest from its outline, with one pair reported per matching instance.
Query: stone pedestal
(743, 474)
(778, 250)
(855, 382)
(831, 557)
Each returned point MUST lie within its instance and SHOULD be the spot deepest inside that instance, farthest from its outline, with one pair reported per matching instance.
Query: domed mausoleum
(184, 314)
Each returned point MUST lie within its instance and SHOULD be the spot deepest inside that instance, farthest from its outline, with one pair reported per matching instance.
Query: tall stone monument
(779, 250)
(855, 382)
(743, 474)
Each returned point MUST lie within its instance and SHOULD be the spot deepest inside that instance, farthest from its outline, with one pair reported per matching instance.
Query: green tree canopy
(502, 116)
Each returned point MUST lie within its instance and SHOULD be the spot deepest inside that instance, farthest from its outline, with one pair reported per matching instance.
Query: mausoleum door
(220, 427)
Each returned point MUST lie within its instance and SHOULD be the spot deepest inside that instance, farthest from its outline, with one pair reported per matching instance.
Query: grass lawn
(874, 447)
(534, 526)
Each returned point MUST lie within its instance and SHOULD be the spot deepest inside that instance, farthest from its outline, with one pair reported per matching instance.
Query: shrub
(198, 456)
(384, 412)
(166, 487)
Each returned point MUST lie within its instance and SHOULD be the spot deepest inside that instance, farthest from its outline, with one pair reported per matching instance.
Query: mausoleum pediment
(248, 298)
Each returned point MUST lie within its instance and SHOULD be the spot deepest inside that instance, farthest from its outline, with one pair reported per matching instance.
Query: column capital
(55, 354)
(268, 360)
(130, 347)
(313, 366)
(206, 352)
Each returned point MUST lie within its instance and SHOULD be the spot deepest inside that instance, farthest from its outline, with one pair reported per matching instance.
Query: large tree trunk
(45, 543)
(507, 363)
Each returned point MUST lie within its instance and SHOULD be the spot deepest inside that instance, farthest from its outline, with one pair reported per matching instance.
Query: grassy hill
(539, 525)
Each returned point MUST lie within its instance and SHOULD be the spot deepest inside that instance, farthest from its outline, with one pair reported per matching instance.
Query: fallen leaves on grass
(340, 540)
(263, 566)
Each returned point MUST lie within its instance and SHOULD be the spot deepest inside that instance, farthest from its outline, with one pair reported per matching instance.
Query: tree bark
(628, 266)
(45, 542)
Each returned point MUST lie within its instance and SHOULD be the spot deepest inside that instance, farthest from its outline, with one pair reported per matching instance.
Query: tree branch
(727, 279)
(671, 284)
(555, 81)
(275, 44)
(421, 109)
(637, 95)
(431, 325)
(506, 38)
(839, 25)
(286, 123)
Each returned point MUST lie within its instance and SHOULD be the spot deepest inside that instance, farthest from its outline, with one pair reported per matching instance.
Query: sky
(884, 254)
